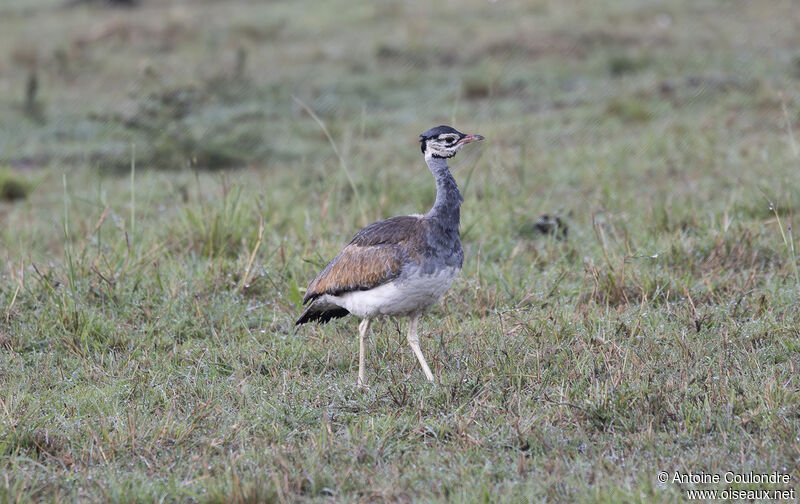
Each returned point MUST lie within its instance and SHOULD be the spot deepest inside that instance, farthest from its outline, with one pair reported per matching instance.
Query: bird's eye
(449, 140)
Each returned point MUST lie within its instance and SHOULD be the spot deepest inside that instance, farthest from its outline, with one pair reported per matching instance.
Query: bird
(400, 266)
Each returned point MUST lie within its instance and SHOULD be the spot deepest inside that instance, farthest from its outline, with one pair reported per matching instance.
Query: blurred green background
(209, 84)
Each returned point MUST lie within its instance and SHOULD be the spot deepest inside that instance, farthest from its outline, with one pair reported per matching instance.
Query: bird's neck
(447, 209)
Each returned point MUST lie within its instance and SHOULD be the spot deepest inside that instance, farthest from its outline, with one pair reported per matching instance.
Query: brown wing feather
(375, 255)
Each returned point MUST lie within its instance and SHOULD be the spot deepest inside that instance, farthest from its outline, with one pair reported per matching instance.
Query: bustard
(399, 266)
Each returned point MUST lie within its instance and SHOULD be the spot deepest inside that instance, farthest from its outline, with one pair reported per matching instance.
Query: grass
(12, 186)
(147, 346)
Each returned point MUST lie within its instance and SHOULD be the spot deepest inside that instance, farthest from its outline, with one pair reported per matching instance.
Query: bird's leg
(413, 340)
(363, 327)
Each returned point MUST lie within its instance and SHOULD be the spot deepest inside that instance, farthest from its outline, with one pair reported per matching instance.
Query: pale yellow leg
(413, 340)
(363, 327)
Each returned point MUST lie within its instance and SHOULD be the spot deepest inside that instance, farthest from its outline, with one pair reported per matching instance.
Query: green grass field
(165, 197)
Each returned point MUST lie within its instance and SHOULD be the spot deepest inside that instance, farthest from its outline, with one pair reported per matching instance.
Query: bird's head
(444, 141)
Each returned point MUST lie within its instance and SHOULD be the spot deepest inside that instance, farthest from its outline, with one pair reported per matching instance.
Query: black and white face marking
(444, 141)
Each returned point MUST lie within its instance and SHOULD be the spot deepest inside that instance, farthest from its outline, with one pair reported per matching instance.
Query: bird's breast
(443, 248)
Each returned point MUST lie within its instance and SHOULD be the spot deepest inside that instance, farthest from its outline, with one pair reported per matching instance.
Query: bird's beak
(470, 138)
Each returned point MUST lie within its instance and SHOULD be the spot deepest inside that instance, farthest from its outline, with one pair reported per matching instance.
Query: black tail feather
(322, 313)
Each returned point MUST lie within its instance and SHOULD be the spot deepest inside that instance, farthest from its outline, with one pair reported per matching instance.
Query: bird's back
(375, 255)
(392, 266)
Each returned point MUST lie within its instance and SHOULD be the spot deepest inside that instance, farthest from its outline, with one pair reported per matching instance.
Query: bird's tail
(321, 311)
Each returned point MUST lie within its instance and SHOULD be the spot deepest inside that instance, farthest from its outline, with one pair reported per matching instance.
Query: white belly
(398, 297)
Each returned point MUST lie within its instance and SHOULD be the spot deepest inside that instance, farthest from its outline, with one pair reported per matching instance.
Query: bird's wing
(374, 256)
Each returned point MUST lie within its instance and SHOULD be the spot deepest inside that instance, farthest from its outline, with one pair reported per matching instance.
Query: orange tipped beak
(470, 138)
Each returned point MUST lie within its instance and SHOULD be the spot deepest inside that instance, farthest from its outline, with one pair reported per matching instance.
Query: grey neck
(447, 209)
